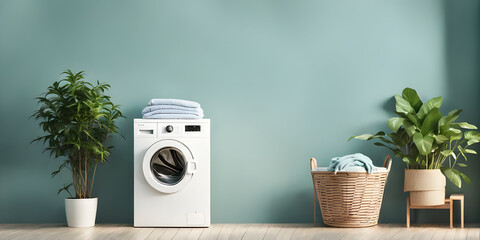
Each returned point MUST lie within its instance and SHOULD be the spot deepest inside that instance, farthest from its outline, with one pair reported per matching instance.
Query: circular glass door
(166, 166)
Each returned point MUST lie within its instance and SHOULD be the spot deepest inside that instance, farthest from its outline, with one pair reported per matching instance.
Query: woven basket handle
(313, 163)
(388, 162)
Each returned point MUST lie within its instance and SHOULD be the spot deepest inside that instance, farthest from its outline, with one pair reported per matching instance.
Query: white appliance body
(171, 173)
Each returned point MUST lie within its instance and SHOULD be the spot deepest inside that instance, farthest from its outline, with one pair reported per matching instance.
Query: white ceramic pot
(426, 186)
(81, 212)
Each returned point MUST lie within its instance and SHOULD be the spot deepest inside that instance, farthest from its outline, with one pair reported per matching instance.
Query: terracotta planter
(426, 186)
(81, 212)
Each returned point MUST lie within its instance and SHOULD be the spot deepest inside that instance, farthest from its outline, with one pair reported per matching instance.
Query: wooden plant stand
(448, 205)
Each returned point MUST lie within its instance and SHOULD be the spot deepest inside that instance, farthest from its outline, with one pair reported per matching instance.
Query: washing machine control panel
(193, 128)
(171, 129)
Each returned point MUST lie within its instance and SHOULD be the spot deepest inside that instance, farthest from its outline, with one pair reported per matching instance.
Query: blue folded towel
(172, 111)
(350, 162)
(167, 108)
(177, 102)
(172, 116)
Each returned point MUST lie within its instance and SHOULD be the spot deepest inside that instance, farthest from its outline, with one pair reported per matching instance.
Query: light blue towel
(172, 111)
(350, 162)
(172, 116)
(177, 102)
(154, 108)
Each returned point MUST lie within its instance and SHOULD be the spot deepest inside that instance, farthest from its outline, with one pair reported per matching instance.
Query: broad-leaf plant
(77, 118)
(425, 139)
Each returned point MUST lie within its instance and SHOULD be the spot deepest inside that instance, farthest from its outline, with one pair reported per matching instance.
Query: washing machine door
(168, 166)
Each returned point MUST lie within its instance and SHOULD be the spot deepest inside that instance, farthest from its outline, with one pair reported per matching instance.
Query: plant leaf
(471, 151)
(414, 119)
(465, 177)
(453, 134)
(451, 116)
(430, 122)
(428, 106)
(65, 188)
(472, 141)
(395, 123)
(397, 138)
(453, 176)
(409, 160)
(472, 135)
(462, 164)
(440, 138)
(368, 136)
(402, 105)
(62, 166)
(445, 122)
(423, 143)
(409, 128)
(411, 96)
(464, 125)
(462, 152)
(446, 153)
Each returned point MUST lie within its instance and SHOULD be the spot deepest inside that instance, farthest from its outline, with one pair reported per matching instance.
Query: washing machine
(171, 173)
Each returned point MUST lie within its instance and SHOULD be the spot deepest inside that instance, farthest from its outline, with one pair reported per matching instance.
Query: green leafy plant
(425, 139)
(77, 118)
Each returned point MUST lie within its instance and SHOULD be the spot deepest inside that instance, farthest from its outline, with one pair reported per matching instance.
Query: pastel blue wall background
(282, 81)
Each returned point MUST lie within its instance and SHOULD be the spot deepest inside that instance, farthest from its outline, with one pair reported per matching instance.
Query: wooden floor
(235, 231)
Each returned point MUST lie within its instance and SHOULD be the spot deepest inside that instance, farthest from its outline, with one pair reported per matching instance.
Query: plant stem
(75, 181)
(430, 163)
(449, 156)
(432, 166)
(86, 176)
(93, 177)
(426, 162)
(80, 173)
(454, 162)
(406, 153)
(438, 163)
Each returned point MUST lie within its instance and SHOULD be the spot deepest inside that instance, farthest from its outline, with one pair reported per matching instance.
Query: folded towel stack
(351, 163)
(172, 109)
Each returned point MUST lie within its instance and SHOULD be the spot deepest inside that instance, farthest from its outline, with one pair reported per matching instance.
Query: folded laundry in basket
(177, 102)
(172, 111)
(352, 161)
(167, 108)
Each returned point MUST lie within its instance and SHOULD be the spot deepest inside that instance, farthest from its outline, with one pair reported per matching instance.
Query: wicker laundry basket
(350, 199)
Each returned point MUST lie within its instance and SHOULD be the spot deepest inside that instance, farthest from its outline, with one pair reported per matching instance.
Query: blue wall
(282, 81)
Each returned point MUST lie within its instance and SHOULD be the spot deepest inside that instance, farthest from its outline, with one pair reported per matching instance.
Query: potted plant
(77, 118)
(429, 143)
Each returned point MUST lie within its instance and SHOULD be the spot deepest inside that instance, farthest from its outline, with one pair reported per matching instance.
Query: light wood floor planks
(235, 231)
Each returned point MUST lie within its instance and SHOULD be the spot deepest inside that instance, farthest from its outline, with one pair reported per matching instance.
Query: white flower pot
(81, 212)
